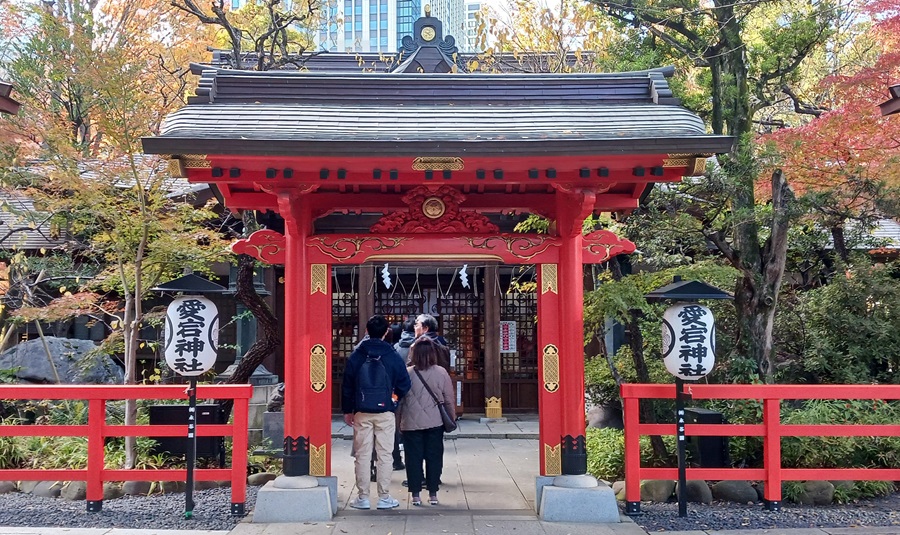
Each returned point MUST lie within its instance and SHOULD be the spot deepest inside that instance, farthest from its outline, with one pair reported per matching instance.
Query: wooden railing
(770, 429)
(97, 430)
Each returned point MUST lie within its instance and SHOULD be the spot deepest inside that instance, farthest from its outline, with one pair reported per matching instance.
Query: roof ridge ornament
(428, 50)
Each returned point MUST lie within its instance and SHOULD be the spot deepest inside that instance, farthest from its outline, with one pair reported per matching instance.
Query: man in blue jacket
(371, 412)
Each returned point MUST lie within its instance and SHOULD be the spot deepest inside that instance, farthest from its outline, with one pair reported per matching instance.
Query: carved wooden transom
(434, 210)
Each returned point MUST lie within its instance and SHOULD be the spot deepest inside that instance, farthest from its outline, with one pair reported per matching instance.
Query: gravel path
(212, 511)
(658, 517)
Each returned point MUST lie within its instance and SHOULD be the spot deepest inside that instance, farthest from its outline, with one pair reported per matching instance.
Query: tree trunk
(267, 328)
(840, 243)
(756, 295)
(130, 329)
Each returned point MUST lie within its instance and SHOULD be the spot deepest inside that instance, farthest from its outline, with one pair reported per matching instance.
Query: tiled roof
(296, 113)
(887, 232)
(16, 231)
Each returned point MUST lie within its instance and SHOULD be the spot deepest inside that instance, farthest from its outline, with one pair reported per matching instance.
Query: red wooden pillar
(572, 208)
(549, 396)
(307, 347)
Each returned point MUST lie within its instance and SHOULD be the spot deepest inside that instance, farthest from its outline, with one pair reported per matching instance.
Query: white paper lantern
(192, 335)
(689, 340)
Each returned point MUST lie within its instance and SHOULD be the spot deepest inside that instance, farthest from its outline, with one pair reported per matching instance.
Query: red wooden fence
(96, 431)
(770, 429)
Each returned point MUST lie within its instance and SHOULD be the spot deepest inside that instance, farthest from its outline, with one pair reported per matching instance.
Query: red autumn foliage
(852, 140)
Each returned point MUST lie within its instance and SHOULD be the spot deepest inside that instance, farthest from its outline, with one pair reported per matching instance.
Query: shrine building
(397, 192)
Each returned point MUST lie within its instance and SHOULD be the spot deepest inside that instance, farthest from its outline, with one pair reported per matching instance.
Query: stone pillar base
(575, 499)
(295, 499)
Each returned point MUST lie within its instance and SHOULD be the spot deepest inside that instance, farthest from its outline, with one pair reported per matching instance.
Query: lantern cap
(190, 284)
(687, 291)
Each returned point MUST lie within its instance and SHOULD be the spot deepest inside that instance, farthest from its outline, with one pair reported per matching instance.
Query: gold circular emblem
(433, 208)
(428, 33)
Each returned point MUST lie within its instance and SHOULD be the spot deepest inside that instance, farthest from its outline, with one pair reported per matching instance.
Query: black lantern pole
(691, 327)
(191, 329)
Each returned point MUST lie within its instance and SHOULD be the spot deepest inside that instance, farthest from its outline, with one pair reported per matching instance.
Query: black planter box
(178, 415)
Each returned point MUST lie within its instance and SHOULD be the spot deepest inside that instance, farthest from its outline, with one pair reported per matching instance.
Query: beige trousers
(377, 428)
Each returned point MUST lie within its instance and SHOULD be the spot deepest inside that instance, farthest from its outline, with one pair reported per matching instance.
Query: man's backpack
(373, 387)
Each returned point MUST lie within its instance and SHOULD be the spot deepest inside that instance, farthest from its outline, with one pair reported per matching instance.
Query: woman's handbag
(449, 423)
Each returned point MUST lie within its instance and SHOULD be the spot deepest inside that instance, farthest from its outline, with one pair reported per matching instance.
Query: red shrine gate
(435, 154)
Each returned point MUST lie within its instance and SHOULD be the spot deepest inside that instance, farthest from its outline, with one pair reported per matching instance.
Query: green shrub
(11, 455)
(606, 452)
(857, 342)
(841, 452)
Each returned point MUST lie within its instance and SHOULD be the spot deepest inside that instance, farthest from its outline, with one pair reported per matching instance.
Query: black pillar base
(573, 455)
(94, 506)
(772, 505)
(296, 456)
(237, 509)
(633, 508)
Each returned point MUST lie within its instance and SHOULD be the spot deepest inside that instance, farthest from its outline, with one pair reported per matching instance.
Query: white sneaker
(362, 503)
(388, 503)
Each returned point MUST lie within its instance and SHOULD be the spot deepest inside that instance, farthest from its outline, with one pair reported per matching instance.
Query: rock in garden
(74, 491)
(735, 491)
(172, 486)
(816, 493)
(137, 488)
(112, 491)
(8, 486)
(696, 491)
(47, 489)
(605, 416)
(76, 362)
(657, 490)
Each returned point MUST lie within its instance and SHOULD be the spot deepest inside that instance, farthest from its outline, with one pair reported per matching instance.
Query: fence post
(631, 413)
(239, 445)
(772, 453)
(96, 434)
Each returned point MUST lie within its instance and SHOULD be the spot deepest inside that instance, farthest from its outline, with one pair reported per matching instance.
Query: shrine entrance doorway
(487, 314)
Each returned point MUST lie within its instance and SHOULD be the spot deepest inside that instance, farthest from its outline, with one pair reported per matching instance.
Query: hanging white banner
(508, 337)
(192, 335)
(689, 341)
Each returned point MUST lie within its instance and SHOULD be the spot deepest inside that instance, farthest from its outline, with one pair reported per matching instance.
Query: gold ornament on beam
(317, 456)
(318, 368)
(551, 368)
(549, 281)
(318, 278)
(552, 460)
(438, 163)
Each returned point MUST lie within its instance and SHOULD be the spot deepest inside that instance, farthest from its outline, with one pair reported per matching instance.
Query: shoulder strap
(428, 388)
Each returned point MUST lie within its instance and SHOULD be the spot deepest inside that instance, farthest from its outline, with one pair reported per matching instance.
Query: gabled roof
(7, 104)
(315, 114)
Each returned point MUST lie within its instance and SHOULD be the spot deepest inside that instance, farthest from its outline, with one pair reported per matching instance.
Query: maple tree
(94, 79)
(846, 160)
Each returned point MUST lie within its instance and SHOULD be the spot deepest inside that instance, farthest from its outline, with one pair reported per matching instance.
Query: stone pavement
(489, 487)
